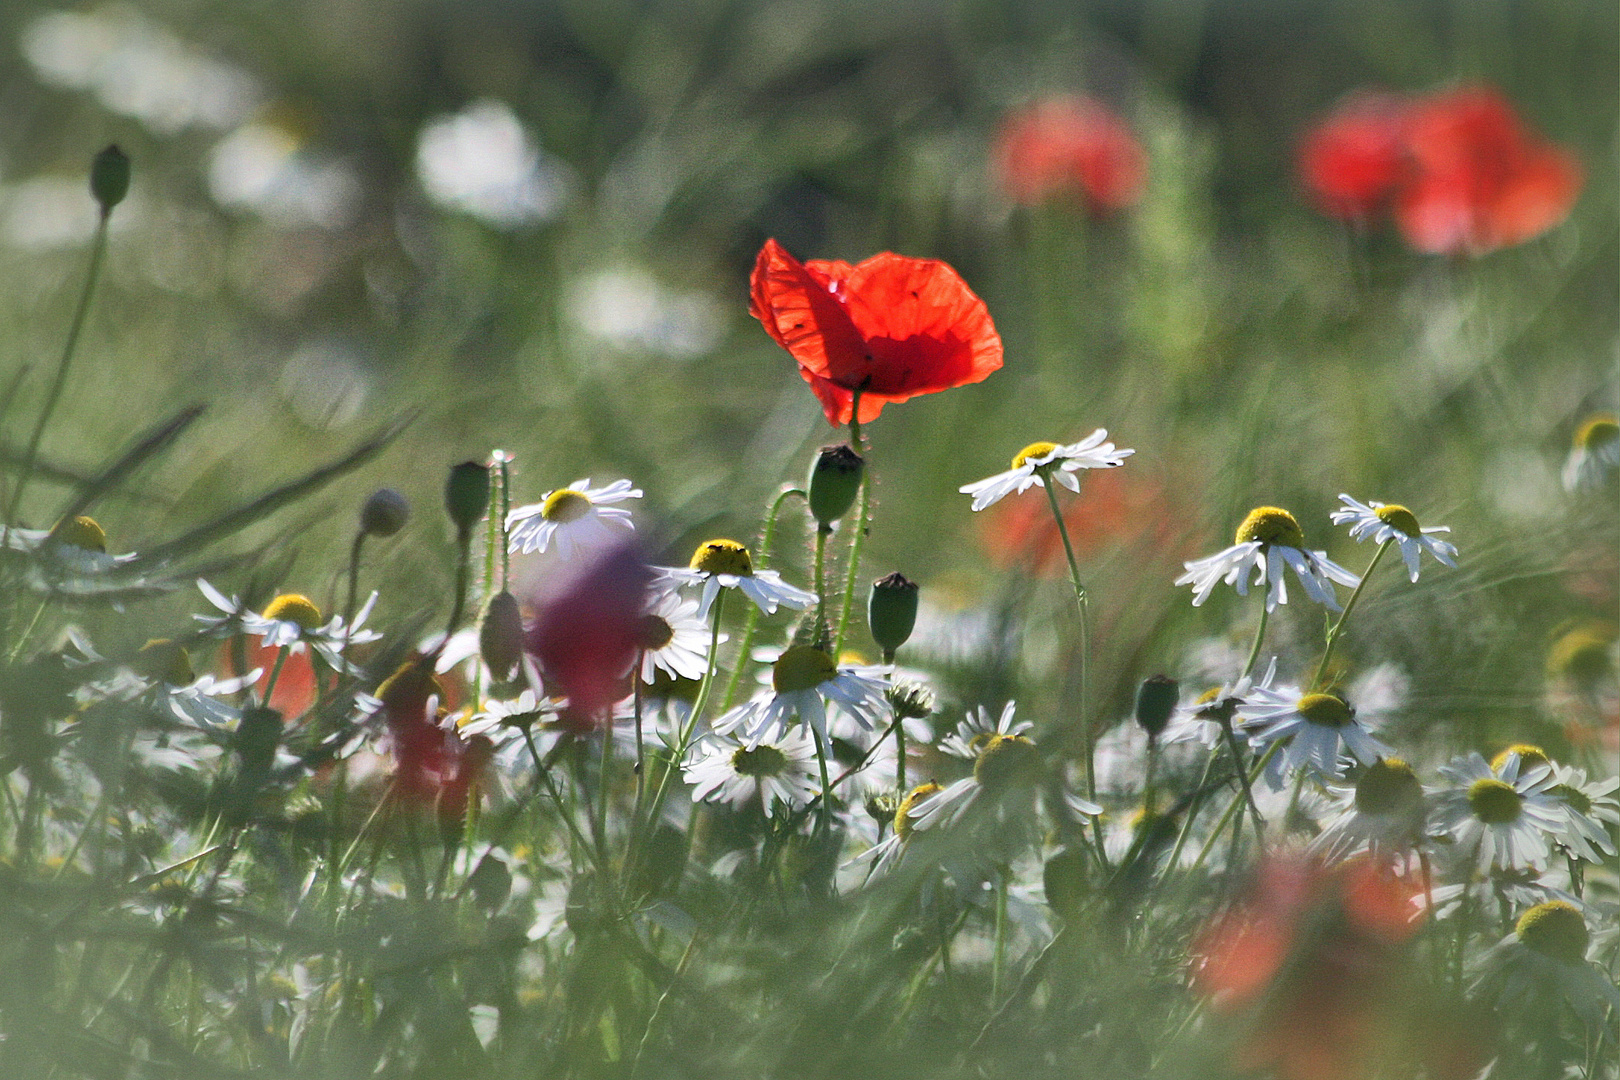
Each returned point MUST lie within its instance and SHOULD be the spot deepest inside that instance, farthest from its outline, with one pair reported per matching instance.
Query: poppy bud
(257, 735)
(500, 635)
(490, 882)
(384, 513)
(109, 178)
(1065, 878)
(892, 612)
(466, 495)
(1155, 701)
(835, 480)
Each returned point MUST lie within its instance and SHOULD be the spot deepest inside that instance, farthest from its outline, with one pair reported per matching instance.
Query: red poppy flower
(1070, 146)
(295, 686)
(1482, 180)
(434, 766)
(891, 327)
(1352, 161)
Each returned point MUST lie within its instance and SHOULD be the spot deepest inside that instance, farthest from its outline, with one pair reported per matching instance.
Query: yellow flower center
(1399, 518)
(903, 827)
(1271, 525)
(723, 557)
(1556, 929)
(758, 761)
(163, 659)
(1574, 797)
(802, 667)
(1033, 450)
(294, 608)
(81, 532)
(1005, 759)
(1494, 802)
(654, 632)
(1583, 653)
(1598, 431)
(1325, 710)
(1388, 787)
(565, 506)
(1530, 757)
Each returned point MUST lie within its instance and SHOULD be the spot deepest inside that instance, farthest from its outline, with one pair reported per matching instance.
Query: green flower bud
(109, 178)
(835, 480)
(491, 883)
(1155, 701)
(892, 612)
(466, 495)
(500, 635)
(1065, 876)
(384, 513)
(910, 700)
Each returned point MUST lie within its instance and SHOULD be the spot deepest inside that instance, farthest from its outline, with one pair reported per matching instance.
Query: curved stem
(697, 712)
(1085, 635)
(1259, 636)
(275, 674)
(752, 621)
(862, 522)
(1349, 606)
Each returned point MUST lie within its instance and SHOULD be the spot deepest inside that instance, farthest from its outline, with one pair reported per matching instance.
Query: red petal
(1539, 195)
(799, 310)
(1352, 160)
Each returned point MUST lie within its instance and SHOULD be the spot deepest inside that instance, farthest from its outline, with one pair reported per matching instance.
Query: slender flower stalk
(1085, 637)
(1349, 607)
(751, 622)
(863, 519)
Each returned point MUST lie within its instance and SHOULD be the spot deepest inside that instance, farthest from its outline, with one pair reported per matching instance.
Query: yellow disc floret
(1530, 757)
(802, 667)
(81, 532)
(902, 814)
(167, 660)
(1325, 710)
(723, 557)
(654, 632)
(1033, 450)
(1399, 518)
(1004, 760)
(1583, 652)
(758, 761)
(1597, 431)
(1388, 787)
(1556, 929)
(1494, 802)
(565, 506)
(294, 608)
(1271, 525)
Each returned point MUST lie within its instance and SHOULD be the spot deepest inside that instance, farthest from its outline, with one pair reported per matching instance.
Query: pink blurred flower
(1352, 160)
(587, 629)
(1070, 146)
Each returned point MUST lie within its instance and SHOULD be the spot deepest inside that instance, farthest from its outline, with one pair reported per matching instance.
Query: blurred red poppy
(1070, 146)
(891, 327)
(434, 766)
(1135, 511)
(1353, 159)
(1483, 181)
(295, 686)
(587, 629)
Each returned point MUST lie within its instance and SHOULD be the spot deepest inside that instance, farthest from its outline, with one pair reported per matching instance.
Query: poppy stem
(1349, 606)
(862, 521)
(1085, 635)
(822, 532)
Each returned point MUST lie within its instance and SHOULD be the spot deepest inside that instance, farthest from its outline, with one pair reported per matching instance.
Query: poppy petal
(800, 311)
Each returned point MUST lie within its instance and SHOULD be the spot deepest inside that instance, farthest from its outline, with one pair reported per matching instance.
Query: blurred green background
(297, 253)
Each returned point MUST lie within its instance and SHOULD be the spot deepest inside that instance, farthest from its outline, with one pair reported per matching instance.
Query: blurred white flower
(482, 162)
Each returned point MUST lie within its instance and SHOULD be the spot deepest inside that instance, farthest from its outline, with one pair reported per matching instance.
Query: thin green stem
(275, 673)
(826, 782)
(751, 622)
(1233, 806)
(1349, 606)
(822, 532)
(1085, 636)
(697, 713)
(1259, 636)
(998, 962)
(862, 522)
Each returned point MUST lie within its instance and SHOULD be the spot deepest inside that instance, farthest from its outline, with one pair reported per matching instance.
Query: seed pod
(109, 178)
(835, 480)
(384, 513)
(466, 495)
(1155, 701)
(892, 612)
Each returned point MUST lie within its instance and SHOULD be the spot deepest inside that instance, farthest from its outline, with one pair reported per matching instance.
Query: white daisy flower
(162, 676)
(806, 681)
(1594, 455)
(887, 853)
(1545, 957)
(1383, 812)
(1269, 540)
(1041, 459)
(1501, 816)
(1590, 811)
(976, 730)
(1387, 521)
(1204, 719)
(674, 638)
(727, 564)
(778, 776)
(577, 518)
(1315, 726)
(290, 622)
(1498, 889)
(527, 710)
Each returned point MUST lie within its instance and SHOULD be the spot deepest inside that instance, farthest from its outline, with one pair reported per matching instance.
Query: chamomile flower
(1383, 812)
(976, 730)
(290, 622)
(806, 681)
(1269, 540)
(1590, 812)
(1545, 957)
(1503, 815)
(674, 639)
(1035, 462)
(1594, 455)
(1386, 521)
(1205, 718)
(1315, 727)
(888, 852)
(575, 518)
(777, 775)
(727, 564)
